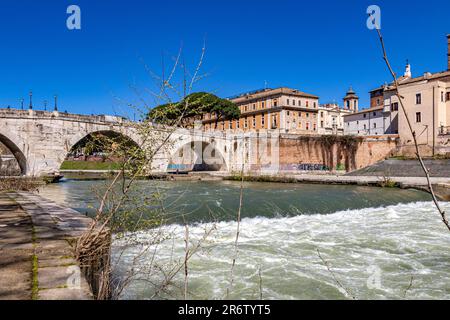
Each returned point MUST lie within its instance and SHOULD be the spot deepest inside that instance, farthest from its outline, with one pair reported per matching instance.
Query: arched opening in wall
(101, 150)
(195, 157)
(12, 160)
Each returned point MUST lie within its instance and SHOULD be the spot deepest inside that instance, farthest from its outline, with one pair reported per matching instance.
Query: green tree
(194, 106)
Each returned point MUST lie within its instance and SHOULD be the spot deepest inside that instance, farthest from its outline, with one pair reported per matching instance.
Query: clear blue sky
(321, 47)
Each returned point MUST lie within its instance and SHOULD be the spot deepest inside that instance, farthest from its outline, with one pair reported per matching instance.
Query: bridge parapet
(40, 114)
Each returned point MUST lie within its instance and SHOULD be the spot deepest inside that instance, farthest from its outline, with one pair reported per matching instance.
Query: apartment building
(368, 122)
(427, 105)
(284, 109)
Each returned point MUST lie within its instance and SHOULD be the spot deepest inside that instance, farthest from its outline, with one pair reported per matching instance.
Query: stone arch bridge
(41, 140)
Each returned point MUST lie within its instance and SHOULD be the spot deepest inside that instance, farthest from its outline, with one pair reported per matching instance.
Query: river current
(296, 241)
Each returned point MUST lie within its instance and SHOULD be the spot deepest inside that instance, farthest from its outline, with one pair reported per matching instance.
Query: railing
(16, 113)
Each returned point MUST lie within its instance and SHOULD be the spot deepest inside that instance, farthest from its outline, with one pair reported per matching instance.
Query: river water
(296, 241)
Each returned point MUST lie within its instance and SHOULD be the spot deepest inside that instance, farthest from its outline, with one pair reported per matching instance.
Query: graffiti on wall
(304, 167)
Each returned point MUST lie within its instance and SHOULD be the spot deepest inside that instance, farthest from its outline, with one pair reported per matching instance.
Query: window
(365, 127)
(245, 123)
(288, 113)
(357, 122)
(348, 104)
(307, 103)
(293, 102)
(365, 115)
(419, 98)
(315, 105)
(263, 117)
(418, 117)
(314, 127)
(374, 114)
(394, 106)
(378, 102)
(275, 102)
(287, 101)
(307, 115)
(238, 124)
(263, 105)
(321, 114)
(374, 125)
(246, 108)
(321, 124)
(254, 106)
(448, 96)
(299, 103)
(307, 126)
(274, 122)
(254, 121)
(230, 124)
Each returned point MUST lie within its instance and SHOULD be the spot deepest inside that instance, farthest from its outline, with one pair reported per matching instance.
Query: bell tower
(351, 101)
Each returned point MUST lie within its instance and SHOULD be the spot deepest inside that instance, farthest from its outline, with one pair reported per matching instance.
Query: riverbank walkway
(37, 259)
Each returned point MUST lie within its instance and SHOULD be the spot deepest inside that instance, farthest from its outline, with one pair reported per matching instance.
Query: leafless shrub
(19, 184)
(330, 270)
(123, 209)
(396, 87)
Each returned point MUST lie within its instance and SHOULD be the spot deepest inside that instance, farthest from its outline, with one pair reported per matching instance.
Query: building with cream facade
(284, 109)
(331, 116)
(427, 104)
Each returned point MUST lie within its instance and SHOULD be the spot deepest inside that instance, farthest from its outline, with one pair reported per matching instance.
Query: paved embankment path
(367, 180)
(37, 259)
(405, 168)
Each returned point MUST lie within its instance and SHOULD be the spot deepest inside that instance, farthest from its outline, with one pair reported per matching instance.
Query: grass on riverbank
(19, 184)
(90, 165)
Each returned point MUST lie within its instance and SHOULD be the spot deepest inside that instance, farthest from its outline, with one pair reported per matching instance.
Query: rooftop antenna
(45, 105)
(31, 100)
(184, 78)
(56, 102)
(163, 71)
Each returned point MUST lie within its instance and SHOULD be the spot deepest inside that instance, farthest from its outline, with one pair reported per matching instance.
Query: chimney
(448, 52)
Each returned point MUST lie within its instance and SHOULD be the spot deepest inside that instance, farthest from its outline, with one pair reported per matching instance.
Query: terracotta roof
(273, 92)
(426, 77)
(366, 111)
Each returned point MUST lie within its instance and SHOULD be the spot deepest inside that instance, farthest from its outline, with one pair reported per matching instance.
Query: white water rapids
(395, 252)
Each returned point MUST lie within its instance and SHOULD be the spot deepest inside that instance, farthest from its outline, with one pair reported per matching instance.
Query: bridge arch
(197, 156)
(77, 145)
(16, 152)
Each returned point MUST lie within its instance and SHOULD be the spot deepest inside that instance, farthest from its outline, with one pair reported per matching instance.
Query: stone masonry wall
(330, 153)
